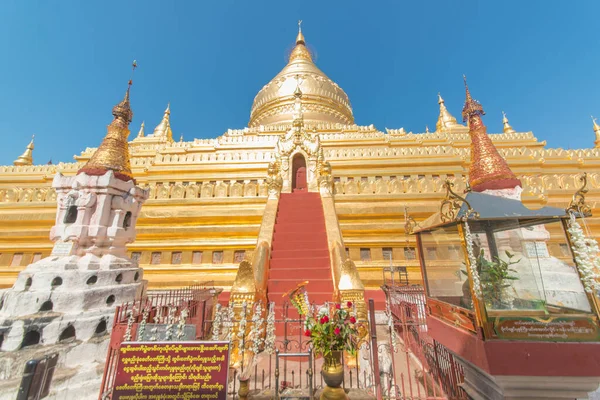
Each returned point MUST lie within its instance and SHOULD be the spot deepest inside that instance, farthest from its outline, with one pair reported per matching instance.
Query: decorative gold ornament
(333, 375)
(27, 157)
(244, 389)
(409, 222)
(578, 203)
(163, 129)
(507, 128)
(452, 203)
(597, 132)
(141, 132)
(446, 121)
(299, 298)
(113, 152)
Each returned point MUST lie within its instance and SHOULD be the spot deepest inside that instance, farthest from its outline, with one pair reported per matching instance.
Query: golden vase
(244, 389)
(333, 375)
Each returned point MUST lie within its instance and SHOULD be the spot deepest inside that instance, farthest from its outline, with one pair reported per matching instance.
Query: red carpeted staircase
(299, 250)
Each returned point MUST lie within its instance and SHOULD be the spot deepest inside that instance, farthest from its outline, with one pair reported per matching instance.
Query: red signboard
(172, 370)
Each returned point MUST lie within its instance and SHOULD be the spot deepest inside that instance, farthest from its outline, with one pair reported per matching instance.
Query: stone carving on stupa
(70, 296)
(274, 180)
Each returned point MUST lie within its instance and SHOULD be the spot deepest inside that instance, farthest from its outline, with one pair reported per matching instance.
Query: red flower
(349, 304)
(322, 320)
(307, 332)
(325, 319)
(352, 320)
(336, 331)
(338, 306)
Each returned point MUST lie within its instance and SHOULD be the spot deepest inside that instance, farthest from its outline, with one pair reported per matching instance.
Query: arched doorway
(298, 173)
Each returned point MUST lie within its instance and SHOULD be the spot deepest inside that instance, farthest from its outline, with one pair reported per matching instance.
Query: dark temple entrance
(298, 173)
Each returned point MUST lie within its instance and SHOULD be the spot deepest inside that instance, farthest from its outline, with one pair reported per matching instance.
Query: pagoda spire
(507, 127)
(300, 52)
(163, 129)
(597, 132)
(445, 119)
(141, 132)
(488, 170)
(27, 157)
(113, 152)
(300, 37)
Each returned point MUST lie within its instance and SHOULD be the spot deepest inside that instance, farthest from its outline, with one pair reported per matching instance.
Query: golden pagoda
(27, 157)
(209, 198)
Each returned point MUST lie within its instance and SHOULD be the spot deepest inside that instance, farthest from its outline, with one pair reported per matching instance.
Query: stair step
(300, 249)
(299, 274)
(288, 263)
(299, 227)
(290, 209)
(296, 252)
(299, 243)
(303, 216)
(314, 285)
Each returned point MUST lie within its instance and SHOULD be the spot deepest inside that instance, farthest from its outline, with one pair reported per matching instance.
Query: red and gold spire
(113, 152)
(488, 170)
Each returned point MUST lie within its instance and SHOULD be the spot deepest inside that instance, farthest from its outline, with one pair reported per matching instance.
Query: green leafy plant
(495, 277)
(333, 328)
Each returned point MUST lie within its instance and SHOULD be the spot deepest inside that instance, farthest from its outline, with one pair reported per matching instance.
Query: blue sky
(66, 63)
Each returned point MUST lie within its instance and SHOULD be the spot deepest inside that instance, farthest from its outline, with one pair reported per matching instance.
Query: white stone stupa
(65, 303)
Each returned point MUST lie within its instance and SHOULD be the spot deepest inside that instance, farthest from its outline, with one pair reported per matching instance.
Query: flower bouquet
(333, 328)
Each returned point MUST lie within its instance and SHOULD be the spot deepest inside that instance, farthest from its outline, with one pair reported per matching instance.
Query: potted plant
(332, 330)
(495, 277)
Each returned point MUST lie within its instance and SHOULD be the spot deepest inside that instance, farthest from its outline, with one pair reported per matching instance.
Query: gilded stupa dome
(323, 101)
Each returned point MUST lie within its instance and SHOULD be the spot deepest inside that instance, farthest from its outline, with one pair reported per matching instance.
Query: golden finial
(181, 139)
(472, 110)
(488, 170)
(445, 119)
(113, 152)
(163, 129)
(27, 157)
(300, 37)
(507, 127)
(300, 51)
(596, 131)
(426, 129)
(141, 132)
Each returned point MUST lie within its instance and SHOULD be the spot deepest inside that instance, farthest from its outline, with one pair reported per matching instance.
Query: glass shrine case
(495, 268)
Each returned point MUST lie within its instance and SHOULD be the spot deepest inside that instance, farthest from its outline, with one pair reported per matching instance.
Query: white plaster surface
(86, 278)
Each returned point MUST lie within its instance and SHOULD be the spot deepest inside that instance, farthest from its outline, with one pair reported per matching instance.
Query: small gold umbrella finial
(27, 157)
(113, 152)
(506, 125)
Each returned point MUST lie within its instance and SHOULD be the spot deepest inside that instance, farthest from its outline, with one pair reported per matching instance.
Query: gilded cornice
(534, 184)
